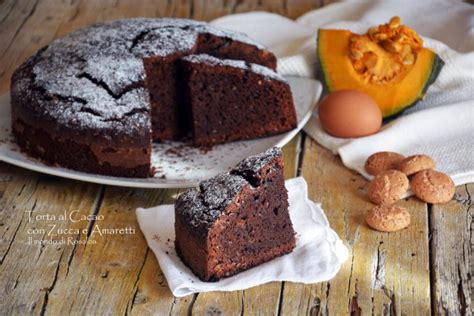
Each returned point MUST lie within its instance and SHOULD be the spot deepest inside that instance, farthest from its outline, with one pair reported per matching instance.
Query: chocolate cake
(95, 99)
(236, 220)
(231, 100)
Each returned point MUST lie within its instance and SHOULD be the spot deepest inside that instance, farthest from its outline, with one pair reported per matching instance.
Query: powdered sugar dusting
(219, 191)
(254, 163)
(94, 77)
(202, 207)
(116, 71)
(165, 41)
(265, 72)
(129, 114)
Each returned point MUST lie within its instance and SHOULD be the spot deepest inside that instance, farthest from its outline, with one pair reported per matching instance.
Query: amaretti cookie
(433, 186)
(236, 220)
(388, 218)
(387, 187)
(382, 161)
(415, 163)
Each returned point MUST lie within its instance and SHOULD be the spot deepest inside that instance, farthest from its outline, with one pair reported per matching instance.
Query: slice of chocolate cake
(231, 100)
(236, 220)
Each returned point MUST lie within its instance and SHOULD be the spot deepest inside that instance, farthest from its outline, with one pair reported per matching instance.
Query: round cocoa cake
(95, 99)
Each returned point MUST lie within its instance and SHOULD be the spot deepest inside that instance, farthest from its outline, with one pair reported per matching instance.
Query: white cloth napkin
(442, 125)
(317, 257)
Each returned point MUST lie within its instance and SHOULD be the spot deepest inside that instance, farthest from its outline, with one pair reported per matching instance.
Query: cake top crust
(93, 78)
(203, 206)
(253, 164)
(265, 72)
(219, 191)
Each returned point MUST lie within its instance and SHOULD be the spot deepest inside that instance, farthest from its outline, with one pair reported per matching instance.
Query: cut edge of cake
(232, 100)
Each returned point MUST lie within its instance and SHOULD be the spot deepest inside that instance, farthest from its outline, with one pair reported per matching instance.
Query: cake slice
(236, 220)
(231, 100)
(161, 64)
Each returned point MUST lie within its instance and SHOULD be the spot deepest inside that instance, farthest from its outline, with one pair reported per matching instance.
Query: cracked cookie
(382, 161)
(412, 164)
(387, 187)
(433, 186)
(388, 218)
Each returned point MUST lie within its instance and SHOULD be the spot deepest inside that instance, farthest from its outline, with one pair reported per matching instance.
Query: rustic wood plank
(34, 245)
(37, 30)
(452, 245)
(16, 184)
(296, 8)
(6, 7)
(103, 274)
(152, 294)
(211, 9)
(13, 15)
(380, 277)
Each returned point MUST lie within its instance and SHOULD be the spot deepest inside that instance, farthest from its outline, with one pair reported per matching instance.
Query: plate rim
(167, 184)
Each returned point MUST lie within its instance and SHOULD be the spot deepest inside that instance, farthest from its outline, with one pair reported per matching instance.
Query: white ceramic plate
(177, 165)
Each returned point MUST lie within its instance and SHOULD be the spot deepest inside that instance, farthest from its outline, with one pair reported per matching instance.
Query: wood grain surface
(425, 269)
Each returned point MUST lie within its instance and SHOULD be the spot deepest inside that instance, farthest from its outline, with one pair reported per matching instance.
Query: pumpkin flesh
(393, 95)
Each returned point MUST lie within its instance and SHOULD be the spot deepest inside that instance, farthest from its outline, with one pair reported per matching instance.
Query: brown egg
(349, 113)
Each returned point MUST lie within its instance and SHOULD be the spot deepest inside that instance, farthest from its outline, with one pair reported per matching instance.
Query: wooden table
(424, 269)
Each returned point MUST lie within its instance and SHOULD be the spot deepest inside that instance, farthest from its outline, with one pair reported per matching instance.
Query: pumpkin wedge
(389, 63)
